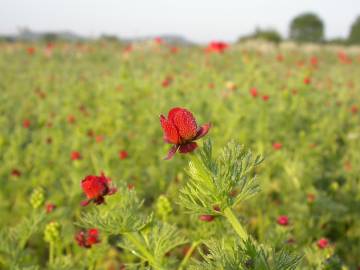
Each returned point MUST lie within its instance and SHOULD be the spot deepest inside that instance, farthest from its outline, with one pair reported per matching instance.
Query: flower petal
(172, 152)
(188, 147)
(203, 130)
(171, 134)
(185, 123)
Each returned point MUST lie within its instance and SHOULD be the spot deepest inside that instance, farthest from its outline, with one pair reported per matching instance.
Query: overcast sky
(198, 20)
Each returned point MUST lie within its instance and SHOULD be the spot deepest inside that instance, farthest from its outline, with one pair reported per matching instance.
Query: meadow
(72, 110)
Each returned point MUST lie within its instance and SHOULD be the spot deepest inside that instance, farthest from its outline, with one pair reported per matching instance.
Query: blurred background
(185, 21)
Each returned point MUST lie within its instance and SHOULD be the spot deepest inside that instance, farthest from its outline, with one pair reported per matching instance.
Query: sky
(197, 20)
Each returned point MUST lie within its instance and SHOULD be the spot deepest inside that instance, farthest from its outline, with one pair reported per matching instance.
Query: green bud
(52, 232)
(334, 186)
(37, 197)
(163, 207)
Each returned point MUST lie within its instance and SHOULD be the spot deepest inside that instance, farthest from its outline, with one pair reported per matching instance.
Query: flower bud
(52, 232)
(163, 207)
(37, 197)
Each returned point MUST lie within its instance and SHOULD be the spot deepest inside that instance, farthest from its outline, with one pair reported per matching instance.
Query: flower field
(151, 156)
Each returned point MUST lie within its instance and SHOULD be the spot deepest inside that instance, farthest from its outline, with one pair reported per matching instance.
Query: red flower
(26, 123)
(130, 186)
(322, 243)
(314, 61)
(283, 220)
(354, 109)
(87, 238)
(310, 197)
(167, 81)
(307, 80)
(31, 50)
(265, 97)
(71, 119)
(254, 92)
(217, 47)
(49, 207)
(123, 154)
(206, 218)
(75, 155)
(99, 138)
(280, 57)
(277, 146)
(181, 130)
(174, 50)
(16, 172)
(95, 188)
(158, 40)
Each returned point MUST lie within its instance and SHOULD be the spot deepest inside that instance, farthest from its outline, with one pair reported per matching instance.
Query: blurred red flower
(167, 81)
(206, 218)
(95, 188)
(265, 97)
(217, 47)
(182, 130)
(87, 238)
(322, 243)
(49, 207)
(26, 123)
(307, 80)
(71, 119)
(277, 146)
(16, 172)
(123, 154)
(283, 220)
(75, 155)
(30, 50)
(254, 92)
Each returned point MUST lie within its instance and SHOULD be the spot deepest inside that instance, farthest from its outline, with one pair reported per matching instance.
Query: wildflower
(265, 97)
(217, 47)
(283, 220)
(95, 188)
(182, 130)
(322, 243)
(354, 109)
(15, 172)
(99, 138)
(206, 218)
(75, 155)
(158, 40)
(254, 92)
(123, 154)
(277, 146)
(307, 80)
(71, 119)
(279, 57)
(167, 81)
(31, 50)
(26, 123)
(87, 238)
(49, 207)
(314, 61)
(52, 232)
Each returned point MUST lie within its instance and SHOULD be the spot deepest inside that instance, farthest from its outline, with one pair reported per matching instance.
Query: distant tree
(268, 35)
(307, 27)
(50, 37)
(354, 37)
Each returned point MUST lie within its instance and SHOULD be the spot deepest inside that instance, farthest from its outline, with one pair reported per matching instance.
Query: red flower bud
(123, 154)
(49, 207)
(26, 123)
(87, 238)
(322, 243)
(95, 188)
(206, 218)
(182, 130)
(277, 146)
(283, 220)
(75, 155)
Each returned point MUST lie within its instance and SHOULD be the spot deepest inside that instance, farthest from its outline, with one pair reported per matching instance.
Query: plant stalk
(188, 254)
(229, 214)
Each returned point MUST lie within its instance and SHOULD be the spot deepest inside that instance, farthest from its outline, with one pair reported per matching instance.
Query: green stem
(143, 250)
(228, 213)
(188, 254)
(51, 253)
